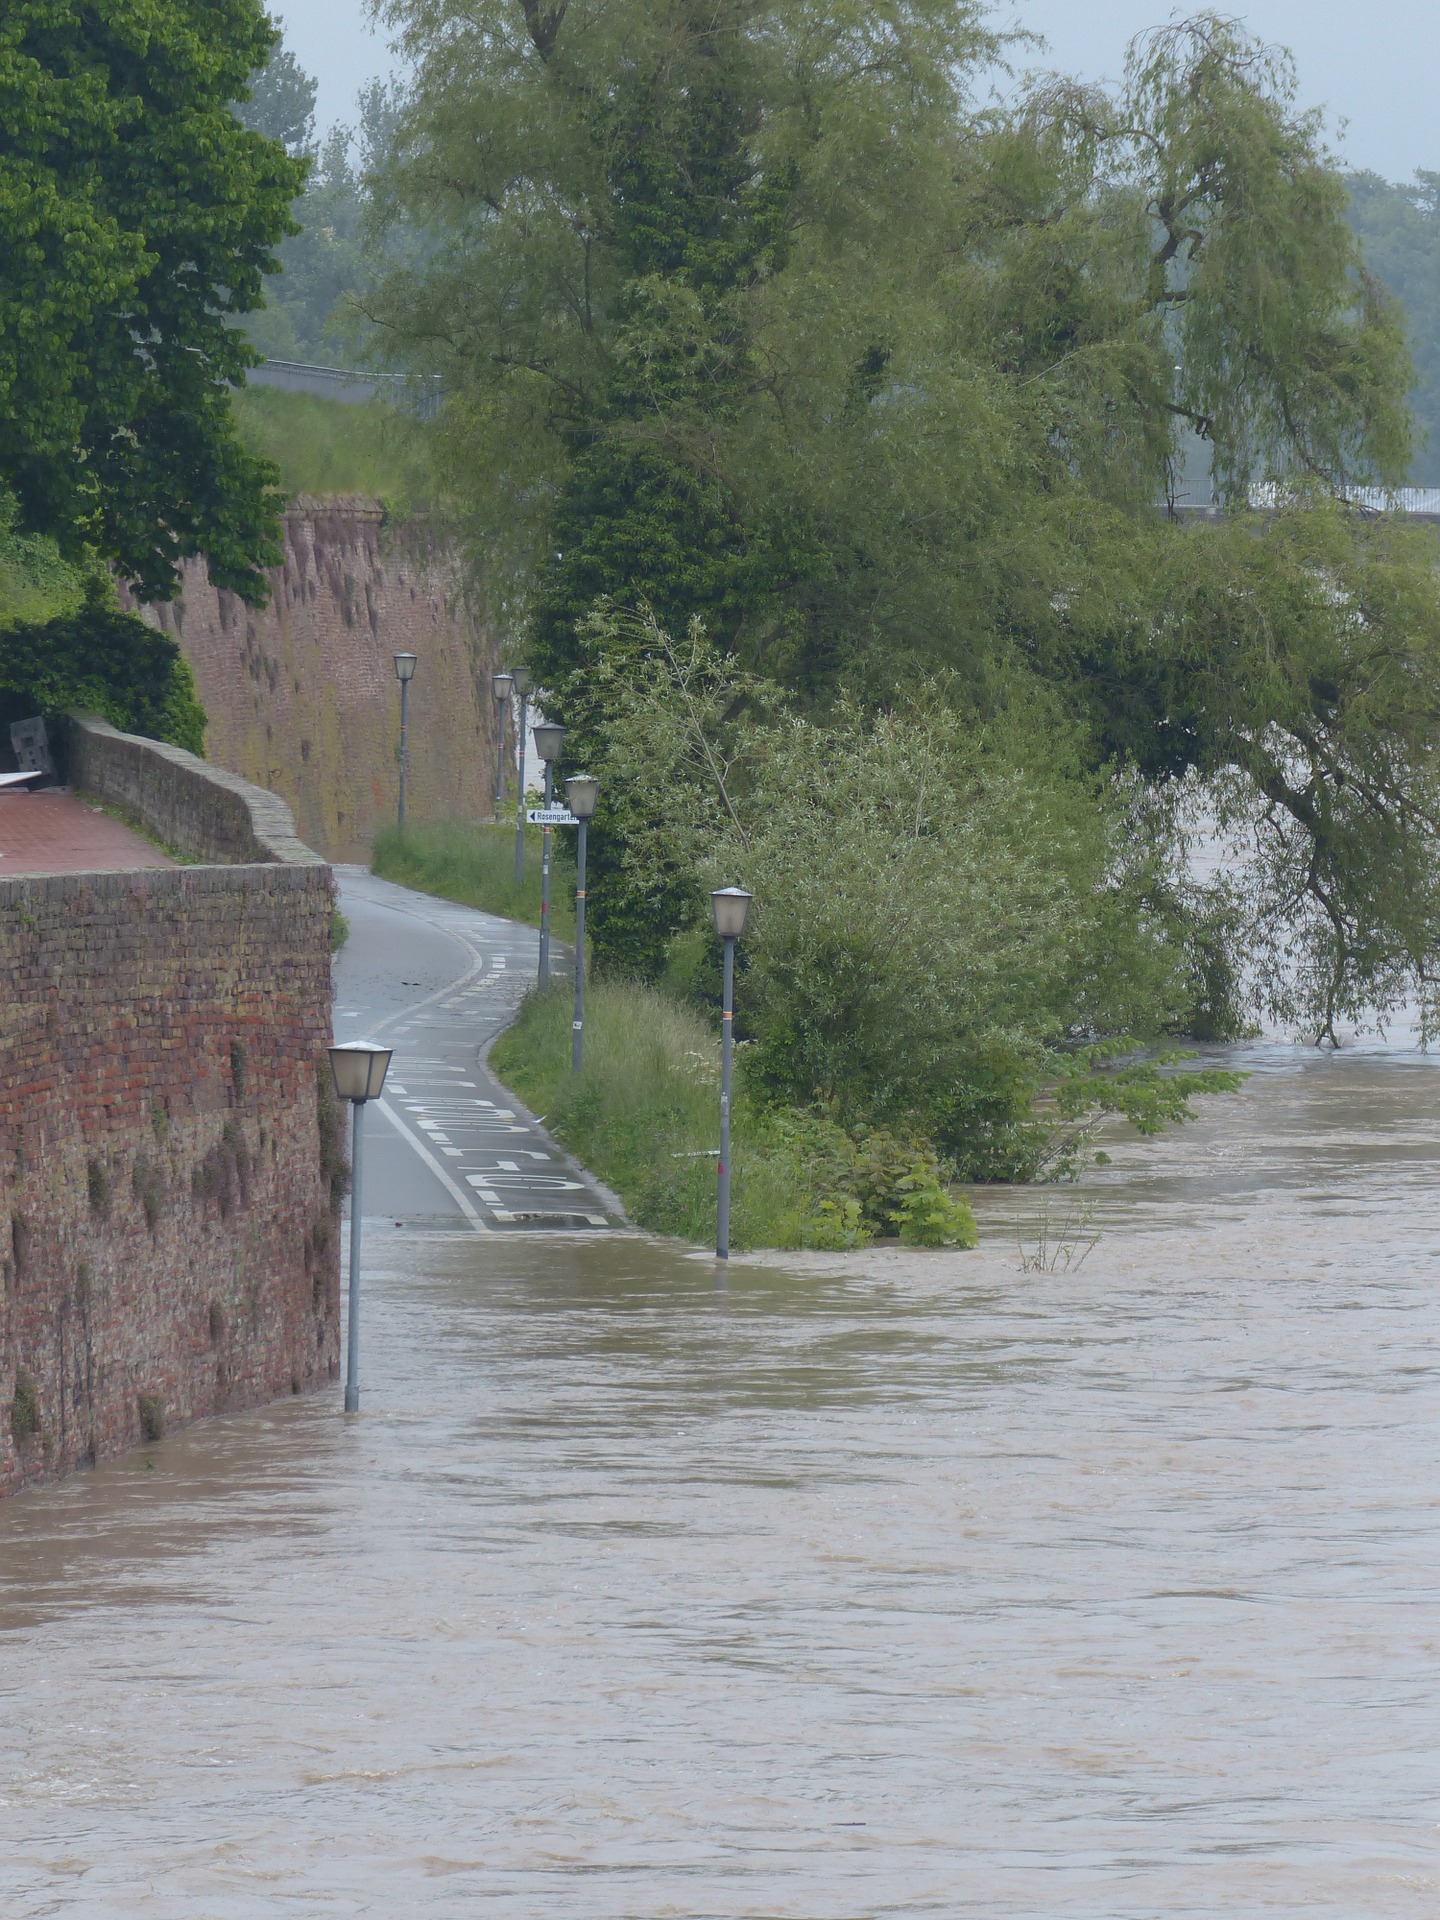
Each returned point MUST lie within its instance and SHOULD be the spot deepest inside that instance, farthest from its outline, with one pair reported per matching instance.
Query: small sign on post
(551, 817)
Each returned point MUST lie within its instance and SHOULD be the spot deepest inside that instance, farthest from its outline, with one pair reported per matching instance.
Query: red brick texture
(301, 694)
(169, 1237)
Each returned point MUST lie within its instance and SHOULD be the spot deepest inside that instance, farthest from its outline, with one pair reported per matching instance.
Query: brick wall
(169, 1241)
(301, 694)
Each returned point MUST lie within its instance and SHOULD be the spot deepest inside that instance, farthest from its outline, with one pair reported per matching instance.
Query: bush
(946, 906)
(476, 866)
(100, 660)
(644, 1116)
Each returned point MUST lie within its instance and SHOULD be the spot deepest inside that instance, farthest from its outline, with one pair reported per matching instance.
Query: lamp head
(548, 740)
(359, 1070)
(521, 677)
(502, 685)
(582, 790)
(729, 906)
(404, 666)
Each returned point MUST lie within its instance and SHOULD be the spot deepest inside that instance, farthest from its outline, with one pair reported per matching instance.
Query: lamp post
(548, 742)
(404, 673)
(522, 687)
(728, 906)
(582, 791)
(359, 1075)
(502, 685)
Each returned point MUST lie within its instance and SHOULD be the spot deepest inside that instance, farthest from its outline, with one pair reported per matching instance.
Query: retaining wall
(301, 694)
(169, 1241)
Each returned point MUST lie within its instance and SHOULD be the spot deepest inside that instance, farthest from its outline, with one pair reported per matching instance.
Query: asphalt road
(448, 1147)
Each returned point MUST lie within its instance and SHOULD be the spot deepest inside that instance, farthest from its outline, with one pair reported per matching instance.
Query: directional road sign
(551, 817)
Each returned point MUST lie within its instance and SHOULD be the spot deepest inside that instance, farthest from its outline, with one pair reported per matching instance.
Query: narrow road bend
(448, 1148)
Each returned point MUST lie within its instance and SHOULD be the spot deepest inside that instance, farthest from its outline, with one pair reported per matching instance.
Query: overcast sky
(1376, 66)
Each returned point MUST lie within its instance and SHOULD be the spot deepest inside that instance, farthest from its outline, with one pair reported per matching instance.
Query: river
(895, 1583)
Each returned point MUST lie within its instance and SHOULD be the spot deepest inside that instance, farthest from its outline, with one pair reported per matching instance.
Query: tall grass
(476, 866)
(326, 446)
(645, 1114)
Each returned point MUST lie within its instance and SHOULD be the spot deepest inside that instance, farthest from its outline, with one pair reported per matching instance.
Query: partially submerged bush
(944, 907)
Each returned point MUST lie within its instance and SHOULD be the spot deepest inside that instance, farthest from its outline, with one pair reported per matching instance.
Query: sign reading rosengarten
(551, 817)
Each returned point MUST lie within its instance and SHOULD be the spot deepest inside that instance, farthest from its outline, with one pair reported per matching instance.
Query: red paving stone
(54, 832)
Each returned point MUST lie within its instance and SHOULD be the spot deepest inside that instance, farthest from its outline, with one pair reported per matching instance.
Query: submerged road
(448, 1147)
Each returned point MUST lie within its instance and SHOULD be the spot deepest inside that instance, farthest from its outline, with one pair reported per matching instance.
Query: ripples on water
(875, 1585)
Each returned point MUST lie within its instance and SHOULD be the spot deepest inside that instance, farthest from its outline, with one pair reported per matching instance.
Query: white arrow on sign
(551, 817)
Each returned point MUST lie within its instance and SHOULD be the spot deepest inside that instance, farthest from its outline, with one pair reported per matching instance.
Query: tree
(281, 105)
(1399, 229)
(745, 312)
(139, 219)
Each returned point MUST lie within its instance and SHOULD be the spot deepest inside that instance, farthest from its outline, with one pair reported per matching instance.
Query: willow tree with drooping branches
(750, 312)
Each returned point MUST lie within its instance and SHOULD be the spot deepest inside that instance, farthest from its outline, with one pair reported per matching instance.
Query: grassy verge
(476, 866)
(643, 1116)
(324, 446)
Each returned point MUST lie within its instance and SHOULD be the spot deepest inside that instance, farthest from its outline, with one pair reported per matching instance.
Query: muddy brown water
(881, 1584)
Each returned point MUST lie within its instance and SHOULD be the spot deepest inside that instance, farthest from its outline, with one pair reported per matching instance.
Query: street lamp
(582, 791)
(359, 1075)
(548, 741)
(502, 685)
(404, 673)
(522, 687)
(728, 906)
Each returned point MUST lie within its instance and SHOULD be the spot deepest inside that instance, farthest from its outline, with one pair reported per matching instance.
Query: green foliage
(35, 582)
(943, 906)
(339, 930)
(476, 866)
(281, 103)
(762, 321)
(101, 661)
(746, 313)
(1399, 228)
(325, 446)
(137, 218)
(644, 1116)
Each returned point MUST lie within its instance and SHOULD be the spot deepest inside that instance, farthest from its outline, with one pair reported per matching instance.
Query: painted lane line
(457, 1193)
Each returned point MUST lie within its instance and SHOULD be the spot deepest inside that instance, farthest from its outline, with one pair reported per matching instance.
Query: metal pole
(502, 708)
(577, 1025)
(352, 1331)
(404, 692)
(545, 882)
(722, 1198)
(520, 801)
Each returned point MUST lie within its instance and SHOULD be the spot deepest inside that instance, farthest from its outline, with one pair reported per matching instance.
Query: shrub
(644, 1116)
(100, 660)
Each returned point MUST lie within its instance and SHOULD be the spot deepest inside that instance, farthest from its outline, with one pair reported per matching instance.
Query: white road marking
(457, 1193)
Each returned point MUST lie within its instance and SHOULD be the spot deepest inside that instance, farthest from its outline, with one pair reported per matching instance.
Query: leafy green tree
(311, 311)
(138, 218)
(746, 312)
(1399, 229)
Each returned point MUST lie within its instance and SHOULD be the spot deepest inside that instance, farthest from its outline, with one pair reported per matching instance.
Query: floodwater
(1027, 1582)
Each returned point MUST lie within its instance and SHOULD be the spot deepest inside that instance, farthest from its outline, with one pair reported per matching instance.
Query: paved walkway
(56, 832)
(448, 1147)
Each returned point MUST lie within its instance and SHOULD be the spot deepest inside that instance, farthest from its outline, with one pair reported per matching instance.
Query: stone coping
(200, 812)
